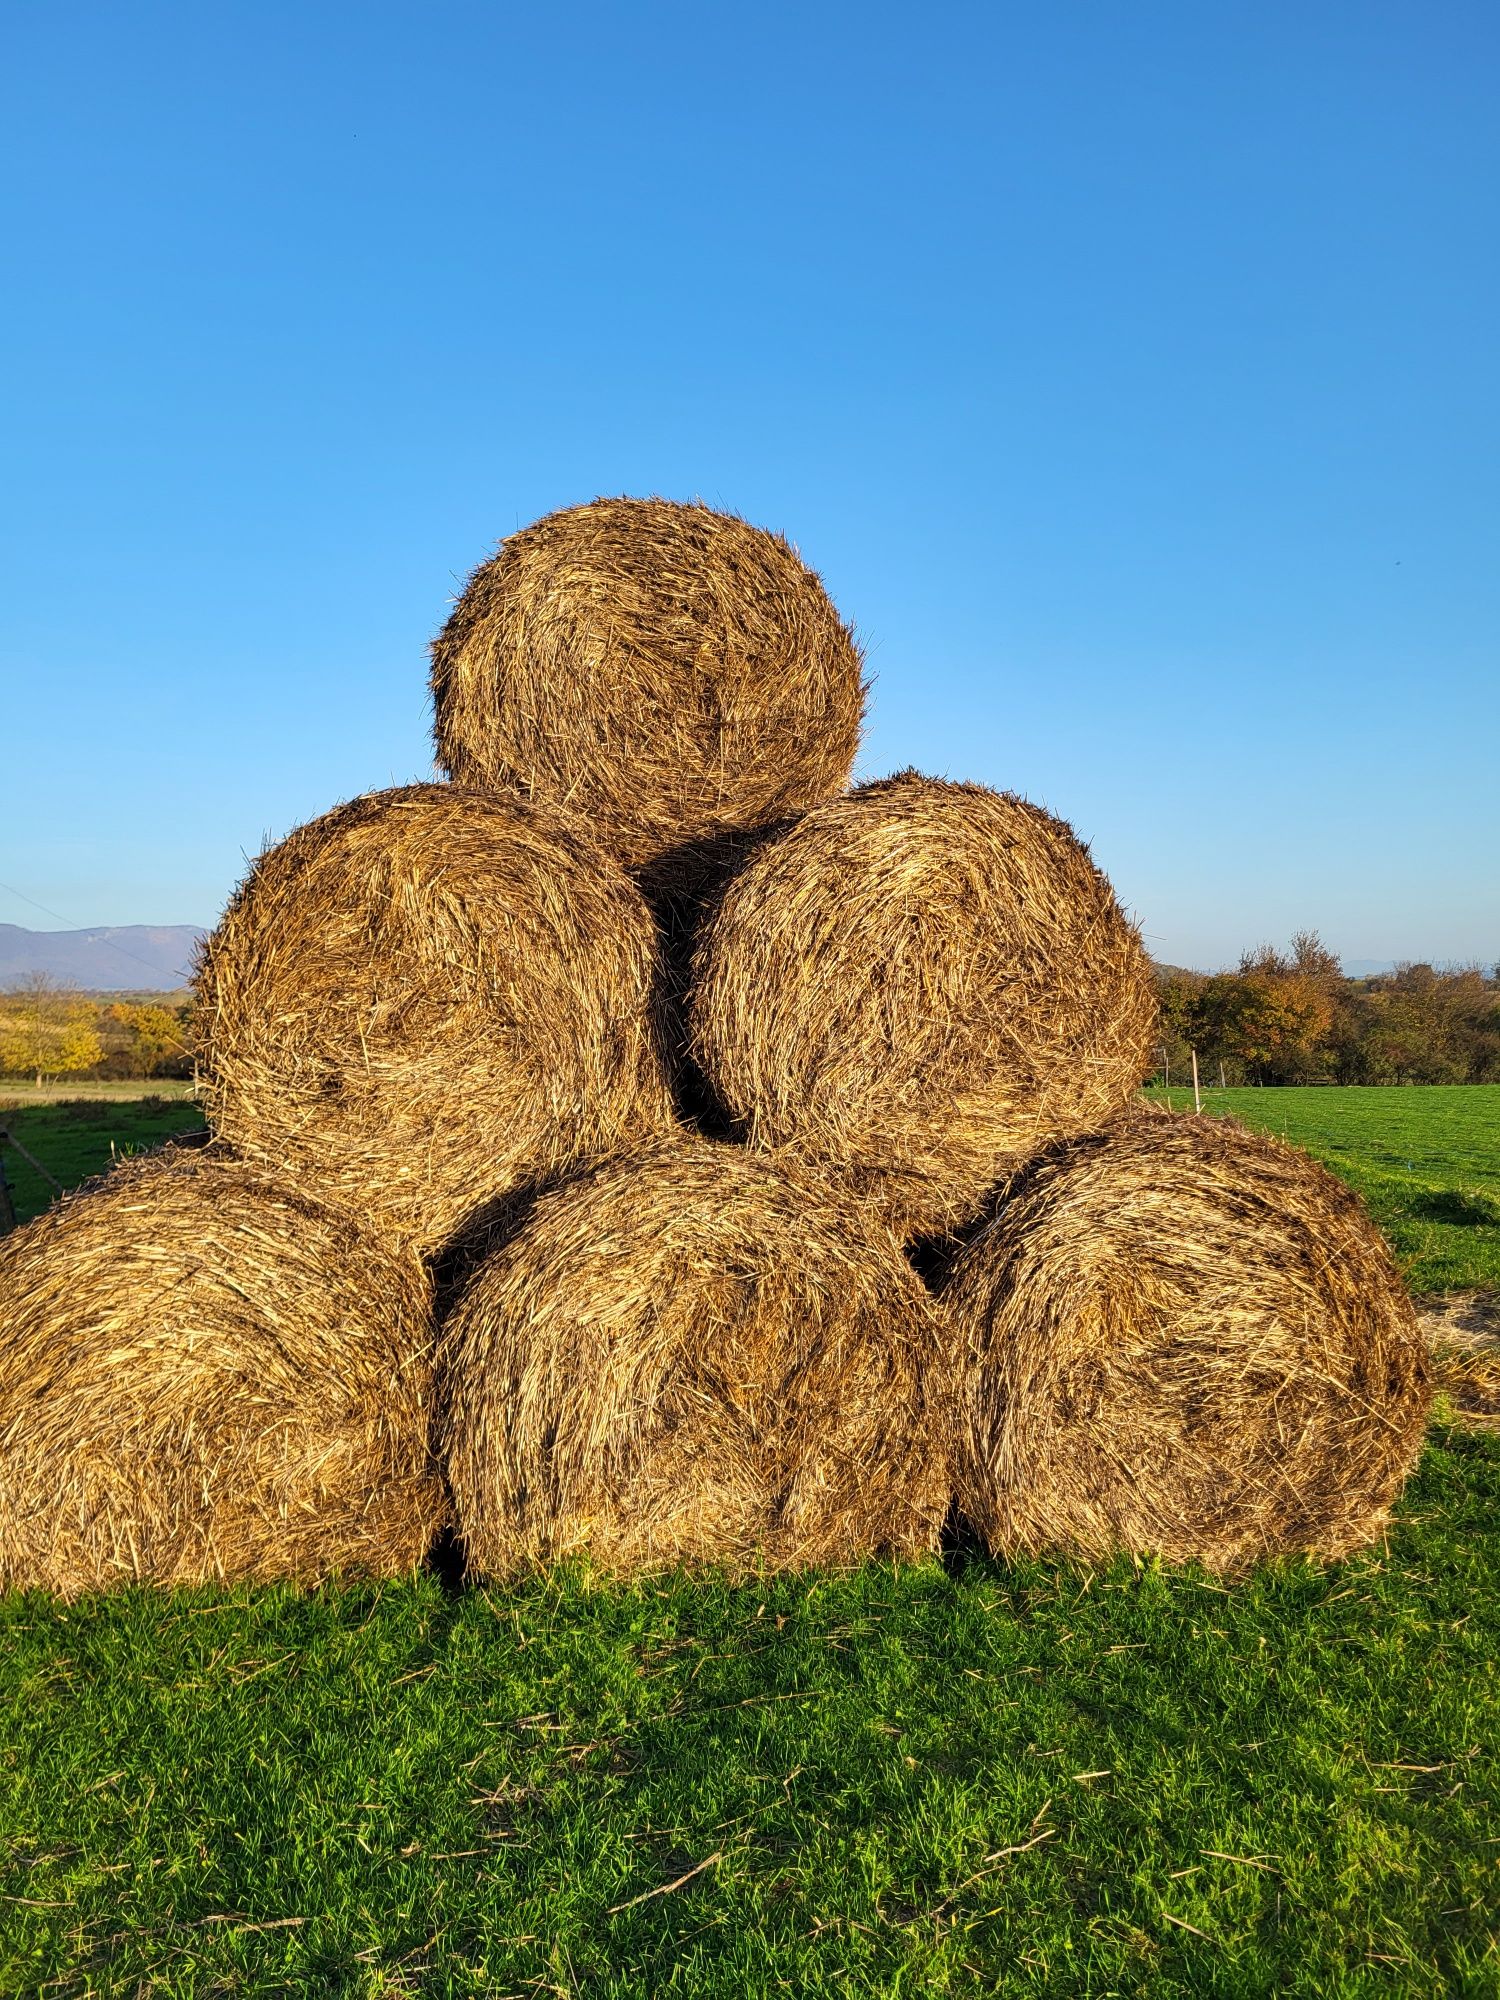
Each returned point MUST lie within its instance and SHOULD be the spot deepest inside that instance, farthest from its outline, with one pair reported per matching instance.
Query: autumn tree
(1280, 1020)
(1179, 993)
(46, 1030)
(1292, 1017)
(158, 1035)
(1419, 1025)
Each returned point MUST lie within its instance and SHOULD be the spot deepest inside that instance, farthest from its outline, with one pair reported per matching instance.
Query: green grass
(381, 1791)
(979, 1780)
(76, 1136)
(1426, 1162)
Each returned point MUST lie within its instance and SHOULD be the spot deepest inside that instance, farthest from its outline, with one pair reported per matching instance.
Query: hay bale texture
(672, 674)
(427, 997)
(692, 1356)
(206, 1377)
(918, 987)
(1185, 1338)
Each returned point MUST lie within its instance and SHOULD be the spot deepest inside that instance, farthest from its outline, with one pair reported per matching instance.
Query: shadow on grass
(1456, 1206)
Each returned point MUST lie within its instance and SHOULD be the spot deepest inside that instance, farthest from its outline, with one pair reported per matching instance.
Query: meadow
(964, 1778)
(1425, 1160)
(72, 1135)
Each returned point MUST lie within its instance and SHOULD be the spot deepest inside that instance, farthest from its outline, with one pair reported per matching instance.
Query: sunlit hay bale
(671, 674)
(918, 987)
(692, 1356)
(1186, 1338)
(206, 1377)
(427, 997)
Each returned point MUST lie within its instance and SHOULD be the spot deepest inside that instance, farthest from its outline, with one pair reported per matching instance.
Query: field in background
(115, 1090)
(74, 1135)
(1425, 1159)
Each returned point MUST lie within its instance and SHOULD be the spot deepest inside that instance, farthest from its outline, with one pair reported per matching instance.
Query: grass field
(1427, 1161)
(967, 1779)
(111, 1090)
(73, 1137)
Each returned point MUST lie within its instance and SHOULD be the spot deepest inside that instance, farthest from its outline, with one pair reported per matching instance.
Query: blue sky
(1129, 374)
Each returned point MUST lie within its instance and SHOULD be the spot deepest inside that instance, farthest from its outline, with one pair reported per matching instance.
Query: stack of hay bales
(581, 1124)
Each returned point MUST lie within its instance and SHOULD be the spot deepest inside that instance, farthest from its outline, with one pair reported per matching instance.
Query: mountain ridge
(104, 958)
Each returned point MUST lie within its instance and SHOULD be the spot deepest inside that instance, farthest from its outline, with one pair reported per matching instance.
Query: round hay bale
(205, 1377)
(1188, 1339)
(670, 673)
(918, 987)
(428, 997)
(692, 1356)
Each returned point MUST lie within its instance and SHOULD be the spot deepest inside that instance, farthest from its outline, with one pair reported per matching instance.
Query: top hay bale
(919, 986)
(428, 998)
(1182, 1338)
(671, 674)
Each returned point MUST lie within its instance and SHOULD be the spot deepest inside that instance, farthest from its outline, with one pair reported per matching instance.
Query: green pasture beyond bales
(72, 1136)
(972, 1778)
(1426, 1160)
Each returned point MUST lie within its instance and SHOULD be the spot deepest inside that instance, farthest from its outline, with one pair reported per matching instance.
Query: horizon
(1128, 380)
(1350, 968)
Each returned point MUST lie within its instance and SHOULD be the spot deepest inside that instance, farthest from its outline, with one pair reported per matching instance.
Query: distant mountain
(110, 958)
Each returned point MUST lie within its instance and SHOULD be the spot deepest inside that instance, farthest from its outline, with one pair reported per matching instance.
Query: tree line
(48, 1031)
(1293, 1017)
(1280, 1017)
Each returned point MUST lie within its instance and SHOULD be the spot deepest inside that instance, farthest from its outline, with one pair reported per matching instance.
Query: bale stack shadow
(641, 1146)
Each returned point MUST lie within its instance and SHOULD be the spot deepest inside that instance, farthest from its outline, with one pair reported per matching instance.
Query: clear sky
(1130, 373)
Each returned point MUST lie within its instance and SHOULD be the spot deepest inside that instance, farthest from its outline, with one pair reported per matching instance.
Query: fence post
(8, 1138)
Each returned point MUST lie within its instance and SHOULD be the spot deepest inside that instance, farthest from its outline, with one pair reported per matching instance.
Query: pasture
(73, 1135)
(963, 1778)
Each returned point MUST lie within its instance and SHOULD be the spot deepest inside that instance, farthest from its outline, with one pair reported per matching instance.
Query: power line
(123, 950)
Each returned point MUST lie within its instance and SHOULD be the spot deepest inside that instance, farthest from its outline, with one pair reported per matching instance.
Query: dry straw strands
(670, 673)
(205, 1377)
(692, 1356)
(1184, 1338)
(427, 997)
(920, 986)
